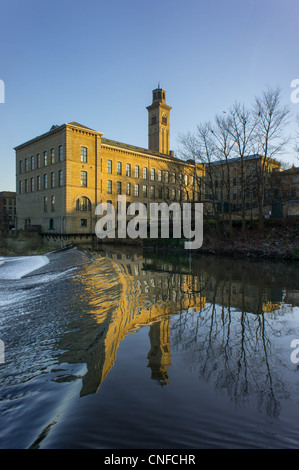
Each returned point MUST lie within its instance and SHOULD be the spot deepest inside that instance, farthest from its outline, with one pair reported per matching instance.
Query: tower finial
(158, 85)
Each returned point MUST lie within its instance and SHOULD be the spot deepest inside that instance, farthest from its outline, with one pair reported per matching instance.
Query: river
(121, 348)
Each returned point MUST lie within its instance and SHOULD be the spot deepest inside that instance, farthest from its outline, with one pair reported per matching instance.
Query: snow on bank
(18, 267)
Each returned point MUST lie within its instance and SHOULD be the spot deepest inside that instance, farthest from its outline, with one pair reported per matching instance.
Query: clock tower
(158, 122)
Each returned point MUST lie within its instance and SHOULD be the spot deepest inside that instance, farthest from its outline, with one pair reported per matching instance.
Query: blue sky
(96, 62)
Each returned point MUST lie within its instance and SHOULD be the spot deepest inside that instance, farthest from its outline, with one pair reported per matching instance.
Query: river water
(125, 349)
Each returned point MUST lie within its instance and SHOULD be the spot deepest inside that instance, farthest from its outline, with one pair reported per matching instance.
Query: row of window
(39, 161)
(155, 175)
(234, 194)
(136, 190)
(8, 210)
(35, 183)
(10, 201)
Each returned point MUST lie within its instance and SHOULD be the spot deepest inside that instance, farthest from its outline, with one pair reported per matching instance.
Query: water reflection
(222, 316)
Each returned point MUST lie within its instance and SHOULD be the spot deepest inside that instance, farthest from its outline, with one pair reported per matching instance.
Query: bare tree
(201, 149)
(224, 145)
(271, 119)
(241, 126)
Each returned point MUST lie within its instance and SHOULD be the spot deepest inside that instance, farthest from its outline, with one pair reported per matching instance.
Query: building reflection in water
(219, 314)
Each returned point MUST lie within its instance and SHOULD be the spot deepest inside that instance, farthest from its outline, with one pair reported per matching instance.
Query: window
(144, 190)
(26, 186)
(152, 192)
(144, 173)
(20, 167)
(128, 169)
(128, 189)
(109, 186)
(60, 151)
(83, 204)
(166, 177)
(20, 187)
(32, 163)
(173, 193)
(136, 190)
(26, 164)
(53, 180)
(160, 192)
(45, 181)
(152, 174)
(52, 203)
(83, 154)
(52, 156)
(118, 187)
(118, 168)
(186, 179)
(83, 223)
(45, 159)
(60, 178)
(46, 204)
(173, 178)
(136, 171)
(109, 166)
(38, 160)
(38, 184)
(109, 207)
(32, 185)
(83, 179)
(164, 119)
(160, 175)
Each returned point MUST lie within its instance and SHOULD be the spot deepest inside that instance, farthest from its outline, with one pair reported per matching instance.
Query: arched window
(83, 204)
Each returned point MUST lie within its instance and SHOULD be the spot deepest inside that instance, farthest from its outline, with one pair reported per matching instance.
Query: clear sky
(96, 62)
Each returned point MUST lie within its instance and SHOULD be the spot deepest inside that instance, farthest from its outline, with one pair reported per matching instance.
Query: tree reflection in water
(222, 316)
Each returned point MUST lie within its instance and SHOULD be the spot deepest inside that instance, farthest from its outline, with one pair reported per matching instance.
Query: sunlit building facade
(62, 175)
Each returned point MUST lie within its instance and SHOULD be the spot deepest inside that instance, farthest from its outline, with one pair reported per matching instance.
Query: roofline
(40, 137)
(2, 193)
(142, 151)
(238, 159)
(54, 131)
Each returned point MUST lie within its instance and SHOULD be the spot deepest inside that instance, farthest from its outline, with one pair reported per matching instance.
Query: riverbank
(277, 240)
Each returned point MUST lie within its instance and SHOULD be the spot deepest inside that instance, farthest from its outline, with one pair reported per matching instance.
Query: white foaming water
(18, 267)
